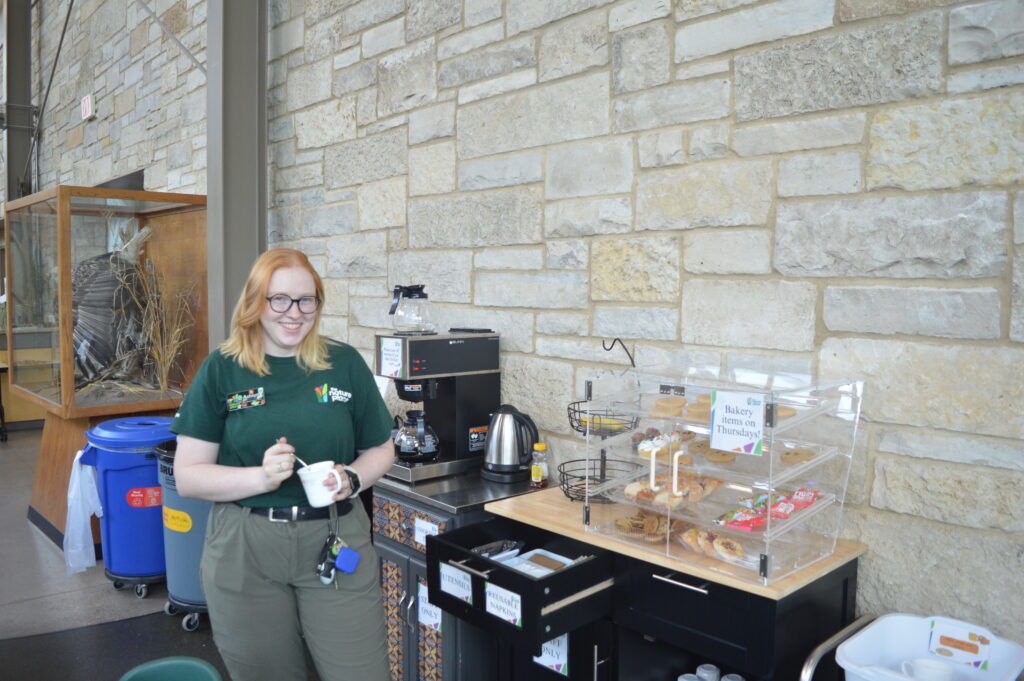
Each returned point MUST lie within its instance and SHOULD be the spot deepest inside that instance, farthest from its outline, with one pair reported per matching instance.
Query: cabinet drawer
(524, 609)
(717, 621)
(397, 521)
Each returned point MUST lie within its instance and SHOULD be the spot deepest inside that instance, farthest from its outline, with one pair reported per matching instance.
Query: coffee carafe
(415, 441)
(410, 310)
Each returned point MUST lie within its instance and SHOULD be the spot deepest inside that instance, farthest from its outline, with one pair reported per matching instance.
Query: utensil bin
(876, 651)
(529, 610)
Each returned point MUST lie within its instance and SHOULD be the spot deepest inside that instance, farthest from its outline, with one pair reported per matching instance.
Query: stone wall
(823, 186)
(149, 96)
(827, 186)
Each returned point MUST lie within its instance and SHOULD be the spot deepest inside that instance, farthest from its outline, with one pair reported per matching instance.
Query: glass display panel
(32, 295)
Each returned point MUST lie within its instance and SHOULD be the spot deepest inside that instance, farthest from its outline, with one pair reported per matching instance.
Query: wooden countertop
(551, 510)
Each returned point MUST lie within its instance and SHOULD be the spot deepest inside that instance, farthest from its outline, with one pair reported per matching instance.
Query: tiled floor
(36, 593)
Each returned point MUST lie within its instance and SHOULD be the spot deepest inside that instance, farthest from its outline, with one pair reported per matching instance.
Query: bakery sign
(737, 422)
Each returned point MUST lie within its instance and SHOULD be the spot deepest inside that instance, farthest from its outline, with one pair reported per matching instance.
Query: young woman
(273, 390)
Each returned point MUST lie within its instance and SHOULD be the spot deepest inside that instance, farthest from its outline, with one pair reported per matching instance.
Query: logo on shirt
(325, 394)
(253, 397)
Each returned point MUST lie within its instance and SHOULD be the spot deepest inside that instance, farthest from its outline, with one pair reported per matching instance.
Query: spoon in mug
(304, 464)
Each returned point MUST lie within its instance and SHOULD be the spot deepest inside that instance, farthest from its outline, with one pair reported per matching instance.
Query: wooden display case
(85, 299)
(94, 278)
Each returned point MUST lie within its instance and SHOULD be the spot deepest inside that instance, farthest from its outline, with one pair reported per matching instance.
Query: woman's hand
(278, 463)
(343, 492)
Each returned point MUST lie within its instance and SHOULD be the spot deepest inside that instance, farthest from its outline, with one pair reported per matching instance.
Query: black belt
(286, 514)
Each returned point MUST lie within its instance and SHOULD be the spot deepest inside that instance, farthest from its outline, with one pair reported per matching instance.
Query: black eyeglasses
(282, 303)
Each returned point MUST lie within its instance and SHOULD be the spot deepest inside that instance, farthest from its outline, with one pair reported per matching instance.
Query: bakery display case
(106, 295)
(742, 474)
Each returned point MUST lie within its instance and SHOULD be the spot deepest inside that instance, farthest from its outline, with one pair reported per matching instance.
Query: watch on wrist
(354, 483)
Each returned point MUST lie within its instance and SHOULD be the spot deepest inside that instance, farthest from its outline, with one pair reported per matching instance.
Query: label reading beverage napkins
(457, 583)
(555, 655)
(737, 422)
(504, 604)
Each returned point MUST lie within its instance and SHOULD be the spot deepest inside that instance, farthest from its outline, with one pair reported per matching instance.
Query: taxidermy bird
(107, 305)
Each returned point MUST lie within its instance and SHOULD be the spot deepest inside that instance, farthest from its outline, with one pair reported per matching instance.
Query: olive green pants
(264, 599)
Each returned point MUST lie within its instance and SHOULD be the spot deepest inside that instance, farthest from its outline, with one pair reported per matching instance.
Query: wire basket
(601, 422)
(575, 474)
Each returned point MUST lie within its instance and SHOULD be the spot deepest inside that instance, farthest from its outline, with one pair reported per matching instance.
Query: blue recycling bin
(184, 535)
(131, 527)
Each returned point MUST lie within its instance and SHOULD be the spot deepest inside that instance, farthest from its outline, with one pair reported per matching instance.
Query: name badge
(253, 397)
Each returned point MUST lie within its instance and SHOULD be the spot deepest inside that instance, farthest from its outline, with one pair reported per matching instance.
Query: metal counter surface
(455, 493)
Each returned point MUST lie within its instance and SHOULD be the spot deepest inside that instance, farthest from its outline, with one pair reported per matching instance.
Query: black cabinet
(758, 637)
(424, 644)
(625, 619)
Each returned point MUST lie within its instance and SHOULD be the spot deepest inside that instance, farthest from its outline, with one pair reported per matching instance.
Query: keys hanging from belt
(335, 555)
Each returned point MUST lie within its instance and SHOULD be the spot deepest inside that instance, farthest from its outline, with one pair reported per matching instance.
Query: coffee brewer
(456, 377)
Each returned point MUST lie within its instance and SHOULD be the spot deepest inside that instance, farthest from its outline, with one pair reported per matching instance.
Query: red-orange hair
(245, 342)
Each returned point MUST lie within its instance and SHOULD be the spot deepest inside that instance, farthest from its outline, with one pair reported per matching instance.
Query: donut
(796, 455)
(728, 549)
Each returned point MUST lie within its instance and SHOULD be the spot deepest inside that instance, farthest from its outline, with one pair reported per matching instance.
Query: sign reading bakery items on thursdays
(737, 422)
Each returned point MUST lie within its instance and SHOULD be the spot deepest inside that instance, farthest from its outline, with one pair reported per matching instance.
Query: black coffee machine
(456, 378)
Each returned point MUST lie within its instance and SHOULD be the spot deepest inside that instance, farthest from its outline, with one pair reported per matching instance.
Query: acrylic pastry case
(106, 298)
(765, 501)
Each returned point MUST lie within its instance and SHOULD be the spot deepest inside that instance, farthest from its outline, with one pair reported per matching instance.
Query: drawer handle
(691, 587)
(461, 566)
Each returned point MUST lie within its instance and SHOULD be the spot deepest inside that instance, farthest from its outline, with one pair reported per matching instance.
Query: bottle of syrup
(539, 468)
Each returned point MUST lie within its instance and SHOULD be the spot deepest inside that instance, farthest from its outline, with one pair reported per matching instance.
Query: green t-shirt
(326, 415)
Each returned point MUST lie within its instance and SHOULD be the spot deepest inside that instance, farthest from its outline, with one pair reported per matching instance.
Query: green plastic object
(174, 669)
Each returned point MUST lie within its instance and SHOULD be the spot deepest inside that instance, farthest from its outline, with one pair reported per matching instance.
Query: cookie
(698, 412)
(782, 411)
(796, 455)
(720, 456)
(670, 402)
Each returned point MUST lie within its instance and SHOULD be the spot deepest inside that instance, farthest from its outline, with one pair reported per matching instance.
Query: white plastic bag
(83, 502)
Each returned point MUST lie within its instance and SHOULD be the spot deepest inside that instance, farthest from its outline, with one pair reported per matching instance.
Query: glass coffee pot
(415, 441)
(410, 310)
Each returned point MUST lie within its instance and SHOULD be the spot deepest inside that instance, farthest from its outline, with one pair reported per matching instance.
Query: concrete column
(18, 97)
(236, 151)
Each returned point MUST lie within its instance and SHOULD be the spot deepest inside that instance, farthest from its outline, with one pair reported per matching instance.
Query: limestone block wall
(149, 95)
(828, 186)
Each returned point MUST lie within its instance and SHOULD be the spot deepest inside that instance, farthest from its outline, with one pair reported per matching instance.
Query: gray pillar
(18, 97)
(236, 151)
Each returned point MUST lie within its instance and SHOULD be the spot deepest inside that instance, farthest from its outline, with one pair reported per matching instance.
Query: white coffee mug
(708, 672)
(688, 677)
(732, 677)
(927, 669)
(313, 477)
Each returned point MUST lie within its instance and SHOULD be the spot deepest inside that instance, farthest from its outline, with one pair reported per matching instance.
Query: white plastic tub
(876, 651)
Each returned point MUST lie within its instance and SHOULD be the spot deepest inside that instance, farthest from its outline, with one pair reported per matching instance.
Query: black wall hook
(608, 348)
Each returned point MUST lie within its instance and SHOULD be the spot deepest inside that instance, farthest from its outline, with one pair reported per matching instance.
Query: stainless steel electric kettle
(508, 449)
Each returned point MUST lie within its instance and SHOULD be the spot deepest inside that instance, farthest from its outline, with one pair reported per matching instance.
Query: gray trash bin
(184, 532)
